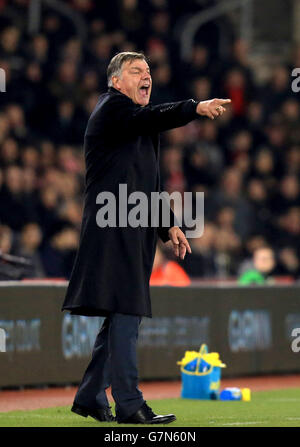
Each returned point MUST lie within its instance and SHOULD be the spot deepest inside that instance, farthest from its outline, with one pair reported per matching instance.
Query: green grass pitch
(280, 408)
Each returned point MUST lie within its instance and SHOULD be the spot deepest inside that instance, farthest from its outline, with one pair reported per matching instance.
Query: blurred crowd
(247, 162)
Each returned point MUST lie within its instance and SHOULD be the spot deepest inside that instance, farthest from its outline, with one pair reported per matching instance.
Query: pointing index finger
(224, 101)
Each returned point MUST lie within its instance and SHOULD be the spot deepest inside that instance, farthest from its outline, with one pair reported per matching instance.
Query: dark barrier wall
(251, 328)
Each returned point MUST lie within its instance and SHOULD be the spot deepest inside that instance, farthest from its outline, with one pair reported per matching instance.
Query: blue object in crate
(203, 367)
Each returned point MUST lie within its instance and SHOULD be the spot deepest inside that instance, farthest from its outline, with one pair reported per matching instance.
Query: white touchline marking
(245, 423)
(293, 419)
(221, 417)
(284, 399)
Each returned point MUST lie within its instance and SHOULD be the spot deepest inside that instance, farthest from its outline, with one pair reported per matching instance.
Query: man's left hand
(179, 241)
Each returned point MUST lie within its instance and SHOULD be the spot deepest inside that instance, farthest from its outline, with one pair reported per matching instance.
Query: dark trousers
(114, 363)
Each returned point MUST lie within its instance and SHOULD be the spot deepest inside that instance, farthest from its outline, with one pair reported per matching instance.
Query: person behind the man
(166, 272)
(113, 265)
(264, 264)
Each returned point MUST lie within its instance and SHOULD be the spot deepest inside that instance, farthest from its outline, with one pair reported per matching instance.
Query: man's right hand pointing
(212, 108)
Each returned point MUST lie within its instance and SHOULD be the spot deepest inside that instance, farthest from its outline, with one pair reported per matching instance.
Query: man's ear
(116, 83)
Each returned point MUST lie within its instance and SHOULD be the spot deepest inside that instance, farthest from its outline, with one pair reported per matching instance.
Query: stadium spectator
(202, 261)
(247, 163)
(255, 241)
(288, 194)
(167, 273)
(6, 239)
(289, 263)
(264, 264)
(28, 247)
(13, 212)
(59, 253)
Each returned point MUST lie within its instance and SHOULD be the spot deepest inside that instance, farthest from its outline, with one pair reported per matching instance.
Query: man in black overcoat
(113, 265)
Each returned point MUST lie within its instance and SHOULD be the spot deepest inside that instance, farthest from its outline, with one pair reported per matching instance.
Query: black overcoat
(113, 265)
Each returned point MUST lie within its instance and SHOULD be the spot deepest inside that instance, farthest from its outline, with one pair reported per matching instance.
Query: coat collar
(114, 90)
(117, 92)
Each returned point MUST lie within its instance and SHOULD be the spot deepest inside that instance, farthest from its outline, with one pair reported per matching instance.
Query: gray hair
(115, 65)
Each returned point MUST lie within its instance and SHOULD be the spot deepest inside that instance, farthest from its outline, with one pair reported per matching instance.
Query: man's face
(135, 81)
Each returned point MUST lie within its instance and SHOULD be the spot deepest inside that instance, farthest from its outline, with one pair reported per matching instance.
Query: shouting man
(113, 265)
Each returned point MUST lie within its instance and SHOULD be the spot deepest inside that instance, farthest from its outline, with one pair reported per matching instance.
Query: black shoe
(100, 414)
(145, 415)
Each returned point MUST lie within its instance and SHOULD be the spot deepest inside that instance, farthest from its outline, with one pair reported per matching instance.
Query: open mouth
(144, 90)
